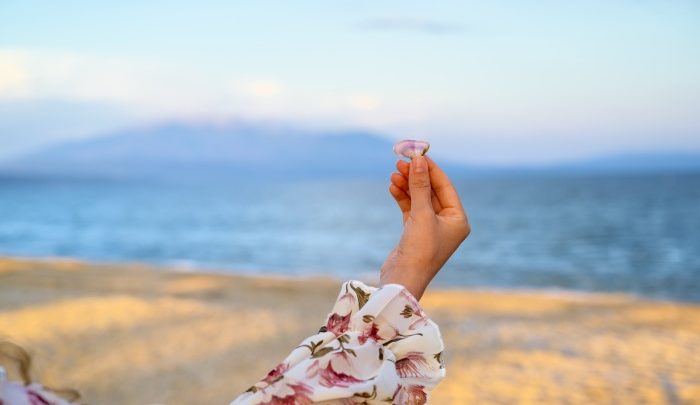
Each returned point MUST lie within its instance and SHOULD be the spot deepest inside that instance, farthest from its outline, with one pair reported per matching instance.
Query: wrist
(397, 271)
(415, 288)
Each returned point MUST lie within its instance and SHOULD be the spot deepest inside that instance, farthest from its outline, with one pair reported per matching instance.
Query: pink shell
(411, 148)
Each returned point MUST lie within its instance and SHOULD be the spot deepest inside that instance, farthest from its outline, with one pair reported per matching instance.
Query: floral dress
(377, 347)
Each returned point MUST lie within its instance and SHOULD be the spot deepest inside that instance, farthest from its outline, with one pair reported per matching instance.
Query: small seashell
(411, 148)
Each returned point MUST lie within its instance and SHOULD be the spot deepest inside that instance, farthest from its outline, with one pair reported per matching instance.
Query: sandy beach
(132, 334)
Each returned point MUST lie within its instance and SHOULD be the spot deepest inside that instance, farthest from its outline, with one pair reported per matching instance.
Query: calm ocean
(637, 234)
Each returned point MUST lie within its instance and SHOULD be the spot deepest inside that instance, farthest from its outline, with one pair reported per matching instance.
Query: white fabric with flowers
(13, 393)
(377, 347)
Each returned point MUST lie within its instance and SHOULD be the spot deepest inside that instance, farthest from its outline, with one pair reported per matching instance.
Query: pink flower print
(414, 311)
(328, 377)
(371, 332)
(411, 395)
(350, 297)
(331, 378)
(300, 396)
(36, 399)
(419, 323)
(276, 373)
(338, 324)
(37, 395)
(408, 366)
(413, 304)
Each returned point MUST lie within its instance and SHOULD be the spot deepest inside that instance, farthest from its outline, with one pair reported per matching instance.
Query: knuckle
(424, 211)
(420, 182)
(464, 229)
(422, 214)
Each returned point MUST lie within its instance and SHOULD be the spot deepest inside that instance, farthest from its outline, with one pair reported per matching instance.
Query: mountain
(638, 163)
(242, 151)
(212, 152)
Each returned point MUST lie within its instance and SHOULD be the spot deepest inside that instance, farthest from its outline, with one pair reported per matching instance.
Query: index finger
(445, 191)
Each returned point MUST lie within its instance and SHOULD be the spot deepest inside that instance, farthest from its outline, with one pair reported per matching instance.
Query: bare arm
(435, 224)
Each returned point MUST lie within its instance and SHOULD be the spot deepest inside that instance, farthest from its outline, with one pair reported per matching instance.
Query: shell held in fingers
(410, 148)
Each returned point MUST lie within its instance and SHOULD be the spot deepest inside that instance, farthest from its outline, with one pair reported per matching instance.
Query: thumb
(419, 185)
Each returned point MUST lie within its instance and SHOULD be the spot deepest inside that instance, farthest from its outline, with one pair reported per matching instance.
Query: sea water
(638, 234)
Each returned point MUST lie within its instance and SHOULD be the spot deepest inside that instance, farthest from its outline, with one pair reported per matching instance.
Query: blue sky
(487, 82)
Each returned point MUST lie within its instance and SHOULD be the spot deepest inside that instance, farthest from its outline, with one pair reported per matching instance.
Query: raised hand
(435, 224)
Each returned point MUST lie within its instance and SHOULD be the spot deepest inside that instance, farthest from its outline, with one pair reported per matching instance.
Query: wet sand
(133, 334)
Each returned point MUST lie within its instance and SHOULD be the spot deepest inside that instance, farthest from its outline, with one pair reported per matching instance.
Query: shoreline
(141, 334)
(566, 293)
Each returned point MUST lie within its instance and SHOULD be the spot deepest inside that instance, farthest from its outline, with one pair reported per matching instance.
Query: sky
(496, 82)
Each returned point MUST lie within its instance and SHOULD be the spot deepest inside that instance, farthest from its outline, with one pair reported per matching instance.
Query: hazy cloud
(13, 76)
(263, 88)
(148, 87)
(52, 90)
(420, 25)
(364, 102)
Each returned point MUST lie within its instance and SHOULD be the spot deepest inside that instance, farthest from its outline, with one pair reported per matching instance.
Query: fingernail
(419, 164)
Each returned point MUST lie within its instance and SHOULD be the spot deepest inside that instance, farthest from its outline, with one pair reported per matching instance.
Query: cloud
(419, 25)
(139, 90)
(363, 102)
(263, 88)
(13, 76)
(157, 89)
(146, 87)
(76, 77)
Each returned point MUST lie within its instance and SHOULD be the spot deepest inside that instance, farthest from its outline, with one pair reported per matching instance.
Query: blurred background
(254, 138)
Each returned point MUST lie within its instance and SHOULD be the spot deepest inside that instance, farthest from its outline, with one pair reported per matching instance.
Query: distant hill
(207, 152)
(638, 163)
(210, 152)
(619, 164)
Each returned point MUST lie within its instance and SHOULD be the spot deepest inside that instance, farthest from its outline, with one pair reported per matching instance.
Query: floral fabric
(12, 393)
(377, 347)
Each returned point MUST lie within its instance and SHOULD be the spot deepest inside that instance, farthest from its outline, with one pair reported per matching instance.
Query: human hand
(435, 224)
